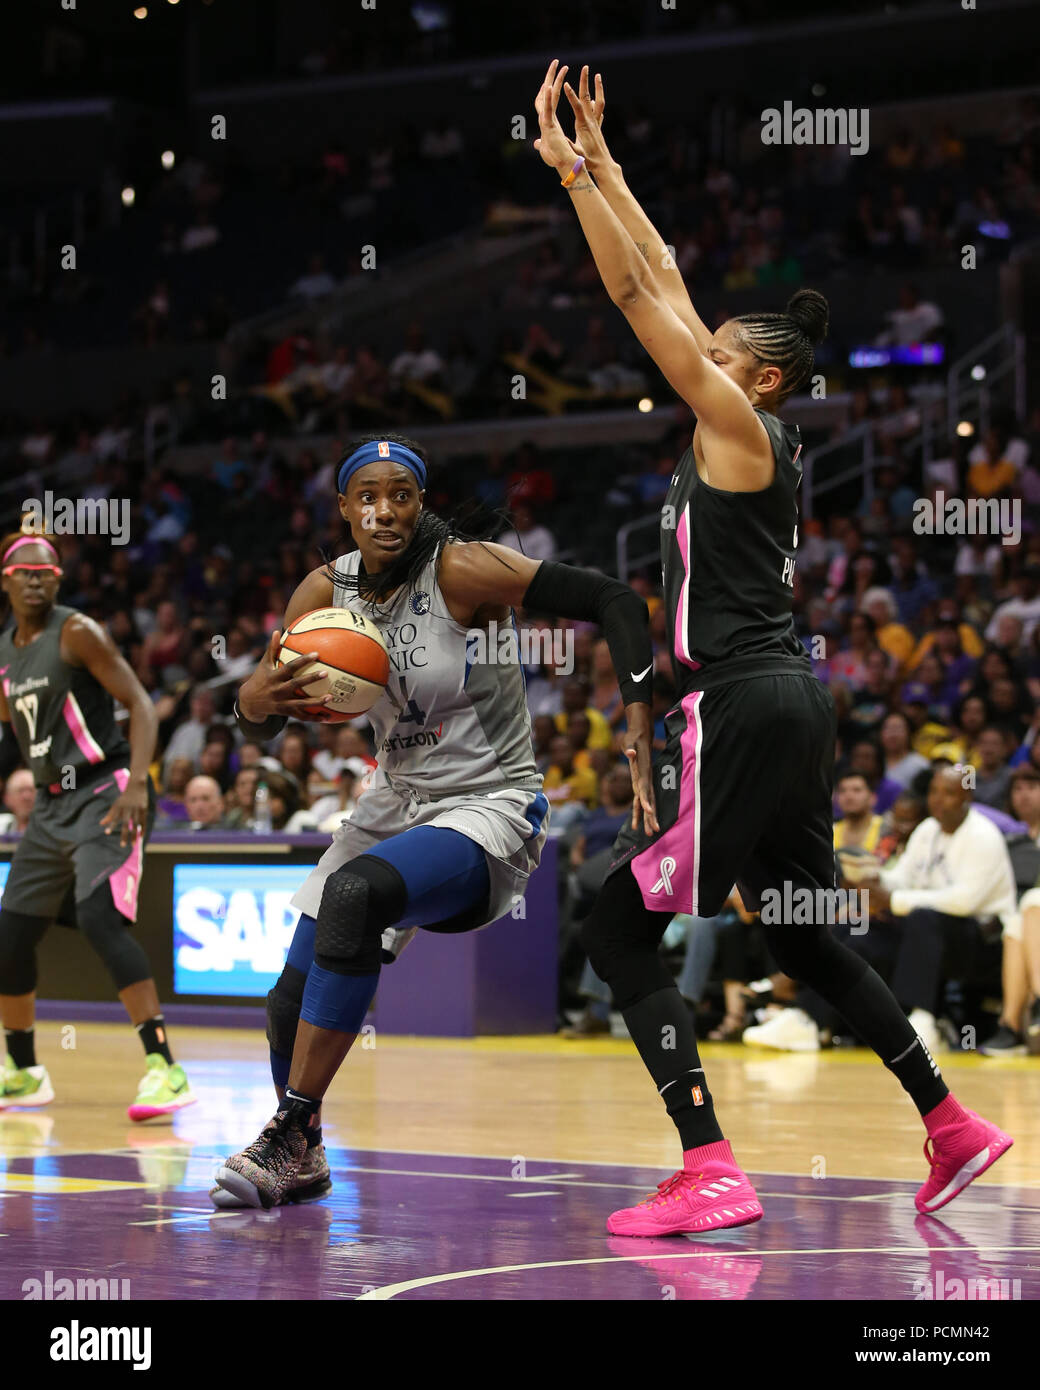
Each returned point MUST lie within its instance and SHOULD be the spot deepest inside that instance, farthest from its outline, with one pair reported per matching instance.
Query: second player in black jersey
(741, 793)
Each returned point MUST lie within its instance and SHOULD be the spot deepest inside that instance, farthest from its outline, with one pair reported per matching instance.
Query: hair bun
(810, 312)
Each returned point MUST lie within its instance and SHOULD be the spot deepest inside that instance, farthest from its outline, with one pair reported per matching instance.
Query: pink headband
(28, 540)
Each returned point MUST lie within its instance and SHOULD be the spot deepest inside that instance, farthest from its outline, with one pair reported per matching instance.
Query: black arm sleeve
(10, 753)
(261, 733)
(563, 591)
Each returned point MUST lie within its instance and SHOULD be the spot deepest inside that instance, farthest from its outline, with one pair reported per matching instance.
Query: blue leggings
(445, 873)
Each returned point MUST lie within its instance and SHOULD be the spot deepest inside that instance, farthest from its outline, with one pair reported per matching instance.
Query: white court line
(389, 1291)
(533, 1194)
(199, 1214)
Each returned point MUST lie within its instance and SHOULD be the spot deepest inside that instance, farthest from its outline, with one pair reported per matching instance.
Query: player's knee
(604, 946)
(359, 901)
(19, 934)
(283, 1010)
(108, 932)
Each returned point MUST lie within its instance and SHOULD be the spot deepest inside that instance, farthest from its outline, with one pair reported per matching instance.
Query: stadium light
(141, 12)
(978, 372)
(168, 158)
(128, 195)
(818, 89)
(645, 405)
(965, 429)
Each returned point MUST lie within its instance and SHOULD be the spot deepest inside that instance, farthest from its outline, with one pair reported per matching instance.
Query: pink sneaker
(717, 1196)
(960, 1152)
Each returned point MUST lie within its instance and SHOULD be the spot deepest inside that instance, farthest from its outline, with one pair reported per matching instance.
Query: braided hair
(787, 340)
(431, 534)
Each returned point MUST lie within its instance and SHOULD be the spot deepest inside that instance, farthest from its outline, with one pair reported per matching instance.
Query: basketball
(350, 650)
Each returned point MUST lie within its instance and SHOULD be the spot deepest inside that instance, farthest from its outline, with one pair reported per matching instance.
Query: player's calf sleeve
(284, 1003)
(108, 931)
(813, 957)
(662, 1031)
(20, 934)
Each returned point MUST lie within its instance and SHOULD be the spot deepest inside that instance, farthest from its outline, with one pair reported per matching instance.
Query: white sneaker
(924, 1025)
(790, 1031)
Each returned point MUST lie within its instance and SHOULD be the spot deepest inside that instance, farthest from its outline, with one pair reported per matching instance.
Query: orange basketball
(350, 650)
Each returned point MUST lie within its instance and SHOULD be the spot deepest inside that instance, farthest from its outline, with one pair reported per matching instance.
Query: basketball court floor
(485, 1169)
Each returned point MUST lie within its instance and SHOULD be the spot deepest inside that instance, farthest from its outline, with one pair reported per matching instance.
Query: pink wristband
(566, 183)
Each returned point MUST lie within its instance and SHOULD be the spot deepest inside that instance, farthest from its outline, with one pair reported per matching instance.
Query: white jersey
(447, 724)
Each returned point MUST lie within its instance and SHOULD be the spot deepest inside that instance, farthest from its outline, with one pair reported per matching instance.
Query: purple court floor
(431, 1226)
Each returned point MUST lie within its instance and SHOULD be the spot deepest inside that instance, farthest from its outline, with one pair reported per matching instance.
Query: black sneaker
(260, 1175)
(1033, 1029)
(1005, 1042)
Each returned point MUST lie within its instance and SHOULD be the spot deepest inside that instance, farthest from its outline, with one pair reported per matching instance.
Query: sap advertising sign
(232, 925)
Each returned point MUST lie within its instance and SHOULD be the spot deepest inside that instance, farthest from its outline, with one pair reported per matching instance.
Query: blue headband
(381, 449)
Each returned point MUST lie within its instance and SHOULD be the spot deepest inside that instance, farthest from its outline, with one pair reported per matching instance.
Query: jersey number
(410, 711)
(28, 707)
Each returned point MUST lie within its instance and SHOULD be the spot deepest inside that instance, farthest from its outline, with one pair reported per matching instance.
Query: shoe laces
(272, 1149)
(929, 1153)
(667, 1188)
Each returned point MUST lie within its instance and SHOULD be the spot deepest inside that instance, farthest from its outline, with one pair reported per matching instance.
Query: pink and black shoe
(712, 1196)
(962, 1148)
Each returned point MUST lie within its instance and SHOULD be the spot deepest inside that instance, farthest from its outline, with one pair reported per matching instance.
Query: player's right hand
(638, 749)
(588, 123)
(273, 689)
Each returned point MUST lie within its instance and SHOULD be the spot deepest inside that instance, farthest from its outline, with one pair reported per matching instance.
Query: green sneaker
(24, 1086)
(163, 1089)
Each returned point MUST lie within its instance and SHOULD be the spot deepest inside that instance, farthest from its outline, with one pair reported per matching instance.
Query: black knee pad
(283, 1010)
(108, 931)
(359, 901)
(20, 934)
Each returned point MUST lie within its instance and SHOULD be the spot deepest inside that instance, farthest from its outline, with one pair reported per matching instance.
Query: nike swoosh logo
(641, 674)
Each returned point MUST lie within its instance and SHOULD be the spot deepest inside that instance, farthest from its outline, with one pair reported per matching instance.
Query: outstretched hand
(554, 147)
(588, 122)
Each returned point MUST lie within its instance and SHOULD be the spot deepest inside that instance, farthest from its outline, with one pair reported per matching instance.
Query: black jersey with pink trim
(727, 563)
(61, 716)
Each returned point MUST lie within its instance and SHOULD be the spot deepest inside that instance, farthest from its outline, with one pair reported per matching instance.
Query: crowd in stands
(930, 645)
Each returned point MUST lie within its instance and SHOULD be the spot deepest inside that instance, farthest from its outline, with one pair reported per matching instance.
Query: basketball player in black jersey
(742, 792)
(81, 856)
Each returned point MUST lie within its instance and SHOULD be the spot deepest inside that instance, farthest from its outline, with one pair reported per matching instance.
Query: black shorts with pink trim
(65, 846)
(743, 792)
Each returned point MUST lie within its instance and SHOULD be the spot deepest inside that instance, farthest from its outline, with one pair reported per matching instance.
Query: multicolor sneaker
(959, 1153)
(24, 1086)
(261, 1174)
(163, 1089)
(717, 1196)
(312, 1182)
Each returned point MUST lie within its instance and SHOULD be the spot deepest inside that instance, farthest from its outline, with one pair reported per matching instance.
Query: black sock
(662, 1030)
(306, 1110)
(919, 1075)
(21, 1046)
(153, 1035)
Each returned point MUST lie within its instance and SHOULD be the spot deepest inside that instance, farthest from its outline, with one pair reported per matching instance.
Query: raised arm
(734, 441)
(610, 179)
(481, 575)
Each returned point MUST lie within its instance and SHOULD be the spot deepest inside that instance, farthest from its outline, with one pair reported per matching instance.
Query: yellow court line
(43, 1184)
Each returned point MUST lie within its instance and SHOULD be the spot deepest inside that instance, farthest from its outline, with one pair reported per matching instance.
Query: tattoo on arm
(644, 250)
